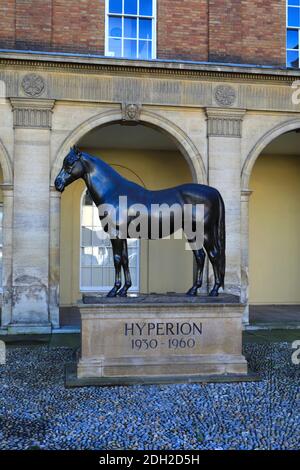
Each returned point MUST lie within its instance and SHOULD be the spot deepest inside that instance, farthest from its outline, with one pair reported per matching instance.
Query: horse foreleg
(200, 259)
(125, 265)
(117, 255)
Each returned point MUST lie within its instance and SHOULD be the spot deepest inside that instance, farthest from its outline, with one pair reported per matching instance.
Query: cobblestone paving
(36, 409)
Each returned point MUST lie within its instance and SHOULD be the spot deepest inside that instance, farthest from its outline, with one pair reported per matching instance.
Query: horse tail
(221, 239)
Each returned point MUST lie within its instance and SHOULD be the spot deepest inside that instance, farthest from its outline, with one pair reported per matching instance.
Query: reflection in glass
(115, 6)
(130, 49)
(115, 26)
(115, 47)
(292, 39)
(146, 7)
(145, 50)
(292, 59)
(130, 7)
(293, 16)
(145, 29)
(130, 28)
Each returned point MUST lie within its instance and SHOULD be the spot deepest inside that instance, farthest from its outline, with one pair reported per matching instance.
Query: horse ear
(76, 150)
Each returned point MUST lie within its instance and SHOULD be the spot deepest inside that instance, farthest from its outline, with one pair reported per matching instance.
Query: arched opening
(274, 225)
(152, 159)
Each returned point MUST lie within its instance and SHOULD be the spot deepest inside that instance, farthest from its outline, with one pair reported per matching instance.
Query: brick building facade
(231, 31)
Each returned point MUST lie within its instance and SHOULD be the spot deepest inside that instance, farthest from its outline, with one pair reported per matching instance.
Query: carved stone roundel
(224, 95)
(33, 85)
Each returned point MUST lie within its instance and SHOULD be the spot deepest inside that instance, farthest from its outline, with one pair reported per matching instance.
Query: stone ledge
(72, 381)
(36, 59)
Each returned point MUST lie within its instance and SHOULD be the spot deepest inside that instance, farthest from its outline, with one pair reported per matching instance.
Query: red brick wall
(182, 29)
(248, 31)
(264, 32)
(33, 23)
(78, 25)
(7, 23)
(239, 31)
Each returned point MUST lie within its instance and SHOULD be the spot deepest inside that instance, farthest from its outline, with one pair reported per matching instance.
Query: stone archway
(184, 144)
(256, 150)
(247, 170)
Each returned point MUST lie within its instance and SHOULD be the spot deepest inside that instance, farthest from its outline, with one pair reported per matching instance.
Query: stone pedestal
(161, 337)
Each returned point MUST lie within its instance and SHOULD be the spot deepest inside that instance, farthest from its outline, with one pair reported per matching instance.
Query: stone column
(245, 196)
(30, 267)
(224, 173)
(55, 198)
(6, 312)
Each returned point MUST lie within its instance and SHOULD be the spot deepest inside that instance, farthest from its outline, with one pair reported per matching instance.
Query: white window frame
(295, 28)
(104, 289)
(154, 30)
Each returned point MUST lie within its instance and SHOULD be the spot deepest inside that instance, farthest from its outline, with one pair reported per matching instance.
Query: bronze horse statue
(106, 186)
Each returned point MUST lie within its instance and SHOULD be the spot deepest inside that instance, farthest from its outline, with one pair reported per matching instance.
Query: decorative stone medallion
(225, 95)
(33, 85)
(131, 112)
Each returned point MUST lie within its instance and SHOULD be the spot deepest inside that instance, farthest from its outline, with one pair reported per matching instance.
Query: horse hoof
(112, 293)
(192, 292)
(122, 294)
(213, 293)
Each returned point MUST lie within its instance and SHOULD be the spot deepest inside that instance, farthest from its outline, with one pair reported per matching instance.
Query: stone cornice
(32, 113)
(70, 63)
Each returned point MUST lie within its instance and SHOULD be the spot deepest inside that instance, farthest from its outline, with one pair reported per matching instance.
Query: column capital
(245, 194)
(54, 192)
(6, 187)
(32, 113)
(224, 122)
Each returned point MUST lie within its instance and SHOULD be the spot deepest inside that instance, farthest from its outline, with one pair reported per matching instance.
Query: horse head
(71, 170)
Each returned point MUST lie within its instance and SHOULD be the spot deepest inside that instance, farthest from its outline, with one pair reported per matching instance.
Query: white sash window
(130, 29)
(97, 272)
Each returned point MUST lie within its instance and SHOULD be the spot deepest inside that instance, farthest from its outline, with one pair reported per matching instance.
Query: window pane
(130, 27)
(86, 236)
(292, 39)
(294, 2)
(146, 7)
(130, 49)
(86, 256)
(145, 29)
(293, 16)
(115, 6)
(86, 277)
(292, 59)
(115, 47)
(130, 7)
(115, 26)
(145, 50)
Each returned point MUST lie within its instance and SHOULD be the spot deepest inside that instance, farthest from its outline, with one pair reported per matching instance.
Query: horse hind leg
(125, 265)
(214, 257)
(200, 259)
(117, 255)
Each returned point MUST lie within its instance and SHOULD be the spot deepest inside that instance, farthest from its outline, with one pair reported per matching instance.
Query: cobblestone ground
(36, 409)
